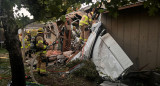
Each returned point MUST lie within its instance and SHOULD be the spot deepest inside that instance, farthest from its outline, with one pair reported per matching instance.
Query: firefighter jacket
(26, 42)
(84, 20)
(40, 43)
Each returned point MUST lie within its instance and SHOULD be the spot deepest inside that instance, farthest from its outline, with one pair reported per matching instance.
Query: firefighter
(28, 40)
(27, 43)
(41, 52)
(84, 26)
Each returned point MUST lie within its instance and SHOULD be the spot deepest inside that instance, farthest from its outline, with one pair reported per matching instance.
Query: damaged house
(137, 33)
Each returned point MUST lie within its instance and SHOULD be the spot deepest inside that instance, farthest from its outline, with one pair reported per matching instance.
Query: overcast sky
(22, 11)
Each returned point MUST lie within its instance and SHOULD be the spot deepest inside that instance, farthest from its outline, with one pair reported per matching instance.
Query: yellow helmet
(40, 30)
(28, 31)
(91, 13)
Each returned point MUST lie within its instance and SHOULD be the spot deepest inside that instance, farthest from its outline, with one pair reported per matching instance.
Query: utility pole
(0, 7)
(23, 44)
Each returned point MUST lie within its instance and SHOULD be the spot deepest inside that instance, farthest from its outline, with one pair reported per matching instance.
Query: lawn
(3, 51)
(5, 72)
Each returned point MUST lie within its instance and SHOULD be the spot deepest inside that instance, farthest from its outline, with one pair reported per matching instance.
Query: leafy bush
(73, 63)
(88, 71)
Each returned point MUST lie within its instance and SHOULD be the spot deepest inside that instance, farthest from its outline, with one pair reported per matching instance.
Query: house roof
(131, 5)
(139, 3)
(34, 26)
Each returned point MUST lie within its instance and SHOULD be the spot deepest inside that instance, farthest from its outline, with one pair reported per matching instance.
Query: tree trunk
(13, 45)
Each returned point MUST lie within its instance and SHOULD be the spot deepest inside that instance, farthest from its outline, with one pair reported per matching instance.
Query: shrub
(88, 71)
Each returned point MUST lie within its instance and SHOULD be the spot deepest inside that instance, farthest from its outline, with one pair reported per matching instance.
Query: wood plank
(127, 32)
(152, 41)
(120, 30)
(158, 45)
(104, 19)
(114, 28)
(135, 39)
(109, 24)
(144, 24)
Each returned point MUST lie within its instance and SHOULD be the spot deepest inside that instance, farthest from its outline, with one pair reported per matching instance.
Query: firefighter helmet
(40, 30)
(27, 31)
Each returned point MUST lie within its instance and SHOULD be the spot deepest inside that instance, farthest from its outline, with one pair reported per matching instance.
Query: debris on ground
(99, 61)
(53, 52)
(107, 83)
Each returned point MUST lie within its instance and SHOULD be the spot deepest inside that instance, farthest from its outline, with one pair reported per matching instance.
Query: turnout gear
(27, 45)
(84, 20)
(41, 52)
(28, 32)
(84, 27)
(40, 30)
(26, 42)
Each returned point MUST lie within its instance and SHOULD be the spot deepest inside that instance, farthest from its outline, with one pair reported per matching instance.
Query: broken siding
(138, 34)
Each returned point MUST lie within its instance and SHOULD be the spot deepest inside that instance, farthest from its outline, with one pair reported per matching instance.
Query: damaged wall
(138, 34)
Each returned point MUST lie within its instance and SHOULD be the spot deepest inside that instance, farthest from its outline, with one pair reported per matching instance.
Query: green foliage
(88, 71)
(2, 51)
(33, 84)
(101, 10)
(153, 6)
(23, 21)
(73, 63)
(63, 18)
(47, 9)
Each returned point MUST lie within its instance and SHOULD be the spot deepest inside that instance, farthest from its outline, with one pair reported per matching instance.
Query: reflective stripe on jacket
(39, 43)
(85, 21)
(27, 44)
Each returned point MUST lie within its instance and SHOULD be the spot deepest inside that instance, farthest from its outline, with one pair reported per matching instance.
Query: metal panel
(109, 58)
(106, 64)
(117, 51)
(91, 39)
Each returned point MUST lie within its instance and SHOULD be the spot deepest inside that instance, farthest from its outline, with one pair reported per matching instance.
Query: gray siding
(138, 34)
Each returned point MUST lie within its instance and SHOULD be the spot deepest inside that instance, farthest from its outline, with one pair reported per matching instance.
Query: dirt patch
(57, 76)
(4, 55)
(57, 79)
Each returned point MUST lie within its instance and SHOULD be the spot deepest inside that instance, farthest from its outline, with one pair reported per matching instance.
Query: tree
(112, 6)
(41, 11)
(13, 45)
(44, 10)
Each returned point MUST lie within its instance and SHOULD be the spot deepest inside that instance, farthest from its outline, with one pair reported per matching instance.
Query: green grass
(5, 72)
(2, 51)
